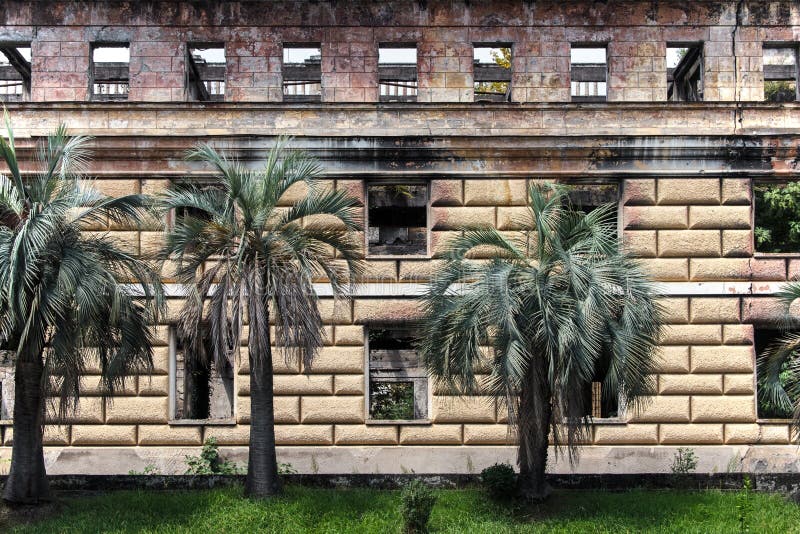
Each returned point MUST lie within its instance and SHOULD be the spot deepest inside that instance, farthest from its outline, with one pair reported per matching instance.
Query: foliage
(502, 57)
(744, 505)
(286, 469)
(778, 367)
(149, 469)
(554, 302)
(780, 91)
(391, 400)
(684, 462)
(351, 511)
(210, 462)
(499, 481)
(777, 217)
(416, 504)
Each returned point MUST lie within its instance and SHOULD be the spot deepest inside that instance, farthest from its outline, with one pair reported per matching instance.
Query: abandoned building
(437, 114)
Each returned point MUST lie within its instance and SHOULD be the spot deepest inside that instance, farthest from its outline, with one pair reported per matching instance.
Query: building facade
(437, 114)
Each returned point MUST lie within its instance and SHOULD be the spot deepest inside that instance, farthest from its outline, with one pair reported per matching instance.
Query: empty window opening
(6, 386)
(202, 390)
(302, 73)
(205, 72)
(397, 219)
(15, 72)
(777, 216)
(110, 72)
(765, 336)
(781, 74)
(598, 400)
(398, 382)
(685, 73)
(397, 73)
(492, 73)
(588, 73)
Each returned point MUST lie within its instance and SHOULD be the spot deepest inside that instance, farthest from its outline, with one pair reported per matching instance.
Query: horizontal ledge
(409, 290)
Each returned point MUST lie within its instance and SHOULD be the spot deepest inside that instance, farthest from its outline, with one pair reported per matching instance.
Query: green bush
(210, 462)
(499, 481)
(416, 505)
(684, 462)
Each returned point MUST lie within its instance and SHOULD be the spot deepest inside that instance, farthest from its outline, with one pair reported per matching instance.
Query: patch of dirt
(12, 516)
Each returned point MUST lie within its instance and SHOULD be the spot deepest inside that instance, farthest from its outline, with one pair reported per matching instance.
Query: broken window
(397, 219)
(588, 72)
(205, 72)
(588, 197)
(777, 216)
(6, 386)
(598, 400)
(398, 382)
(763, 337)
(780, 74)
(397, 73)
(110, 72)
(685, 73)
(201, 389)
(492, 73)
(302, 73)
(15, 72)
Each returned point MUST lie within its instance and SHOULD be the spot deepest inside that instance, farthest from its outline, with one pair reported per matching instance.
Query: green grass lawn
(457, 511)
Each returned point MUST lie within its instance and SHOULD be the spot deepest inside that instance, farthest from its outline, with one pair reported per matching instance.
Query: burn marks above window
(15, 72)
(302, 73)
(492, 72)
(397, 73)
(781, 73)
(205, 72)
(398, 383)
(685, 73)
(397, 217)
(110, 71)
(588, 73)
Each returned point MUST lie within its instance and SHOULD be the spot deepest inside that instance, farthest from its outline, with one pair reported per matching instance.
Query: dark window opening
(588, 73)
(589, 197)
(598, 400)
(6, 386)
(685, 73)
(492, 73)
(15, 72)
(302, 73)
(781, 74)
(205, 72)
(763, 338)
(777, 216)
(202, 390)
(397, 219)
(398, 382)
(397, 73)
(110, 72)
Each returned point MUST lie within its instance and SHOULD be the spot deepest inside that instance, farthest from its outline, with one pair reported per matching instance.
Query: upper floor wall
(635, 35)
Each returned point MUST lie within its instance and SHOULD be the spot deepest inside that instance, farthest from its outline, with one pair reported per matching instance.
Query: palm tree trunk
(262, 466)
(534, 427)
(27, 479)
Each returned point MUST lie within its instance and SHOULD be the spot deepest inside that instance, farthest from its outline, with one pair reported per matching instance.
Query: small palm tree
(264, 260)
(63, 302)
(778, 367)
(556, 304)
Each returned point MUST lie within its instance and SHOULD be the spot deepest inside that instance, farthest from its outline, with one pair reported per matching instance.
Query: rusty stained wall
(635, 33)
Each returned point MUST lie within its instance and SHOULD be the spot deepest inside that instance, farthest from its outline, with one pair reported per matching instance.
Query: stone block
(639, 192)
(737, 243)
(694, 434)
(430, 435)
(735, 269)
(153, 386)
(675, 310)
(349, 335)
(287, 410)
(385, 310)
(88, 411)
(655, 217)
(735, 217)
(339, 409)
(513, 218)
(348, 384)
(447, 192)
(170, 435)
(757, 433)
(335, 311)
(672, 359)
(104, 435)
(693, 384)
(365, 435)
(724, 409)
(304, 434)
(692, 335)
(666, 269)
(763, 311)
(338, 360)
(723, 359)
(458, 218)
(140, 410)
(464, 410)
(663, 409)
(300, 384)
(715, 310)
(489, 435)
(495, 192)
(639, 243)
(630, 434)
(686, 191)
(739, 384)
(692, 243)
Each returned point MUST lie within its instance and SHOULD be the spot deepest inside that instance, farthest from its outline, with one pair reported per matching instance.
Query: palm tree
(778, 367)
(557, 304)
(264, 260)
(63, 301)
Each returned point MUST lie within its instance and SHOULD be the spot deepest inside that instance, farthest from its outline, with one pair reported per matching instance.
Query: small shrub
(210, 462)
(149, 469)
(744, 505)
(499, 481)
(286, 469)
(416, 505)
(685, 461)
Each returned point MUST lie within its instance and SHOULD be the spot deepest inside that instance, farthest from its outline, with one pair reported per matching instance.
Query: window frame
(759, 419)
(100, 97)
(580, 99)
(428, 420)
(509, 72)
(795, 47)
(757, 253)
(399, 181)
(192, 45)
(700, 46)
(300, 98)
(26, 77)
(398, 98)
